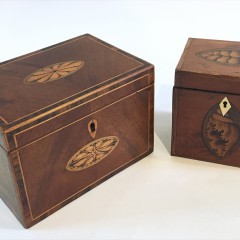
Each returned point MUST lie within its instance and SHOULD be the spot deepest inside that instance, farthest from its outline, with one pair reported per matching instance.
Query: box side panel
(151, 109)
(182, 59)
(2, 140)
(200, 131)
(72, 161)
(8, 191)
(174, 119)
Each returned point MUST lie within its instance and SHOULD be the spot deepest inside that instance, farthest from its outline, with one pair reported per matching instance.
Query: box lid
(41, 82)
(210, 65)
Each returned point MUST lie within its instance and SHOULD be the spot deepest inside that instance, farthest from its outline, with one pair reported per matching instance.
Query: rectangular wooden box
(71, 116)
(206, 102)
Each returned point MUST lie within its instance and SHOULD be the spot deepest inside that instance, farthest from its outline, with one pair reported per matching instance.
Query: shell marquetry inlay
(226, 56)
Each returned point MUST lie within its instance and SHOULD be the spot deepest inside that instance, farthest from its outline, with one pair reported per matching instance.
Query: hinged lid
(38, 84)
(210, 65)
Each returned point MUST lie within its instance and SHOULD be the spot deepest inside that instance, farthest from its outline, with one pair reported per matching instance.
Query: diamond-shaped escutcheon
(225, 106)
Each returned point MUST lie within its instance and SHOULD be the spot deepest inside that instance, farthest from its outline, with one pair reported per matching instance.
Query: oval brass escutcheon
(92, 153)
(54, 72)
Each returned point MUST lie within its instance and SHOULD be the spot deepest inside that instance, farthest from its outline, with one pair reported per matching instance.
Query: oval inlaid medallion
(54, 72)
(92, 153)
(226, 56)
(221, 130)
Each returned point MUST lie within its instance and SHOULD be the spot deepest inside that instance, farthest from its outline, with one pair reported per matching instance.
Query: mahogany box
(71, 116)
(206, 102)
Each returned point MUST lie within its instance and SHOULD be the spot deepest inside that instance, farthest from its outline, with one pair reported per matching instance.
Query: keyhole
(92, 127)
(224, 104)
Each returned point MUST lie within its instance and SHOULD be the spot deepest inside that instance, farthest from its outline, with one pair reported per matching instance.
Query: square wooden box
(71, 116)
(206, 102)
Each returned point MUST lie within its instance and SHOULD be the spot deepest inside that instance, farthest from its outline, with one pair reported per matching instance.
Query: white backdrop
(160, 197)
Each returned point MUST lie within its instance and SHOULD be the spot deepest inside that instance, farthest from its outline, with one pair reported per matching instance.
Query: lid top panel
(49, 76)
(211, 57)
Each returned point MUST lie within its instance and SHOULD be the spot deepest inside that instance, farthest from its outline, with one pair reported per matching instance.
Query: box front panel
(72, 159)
(206, 126)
